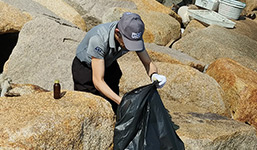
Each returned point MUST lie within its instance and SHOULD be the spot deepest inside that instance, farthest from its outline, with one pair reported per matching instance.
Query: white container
(208, 4)
(231, 8)
(211, 17)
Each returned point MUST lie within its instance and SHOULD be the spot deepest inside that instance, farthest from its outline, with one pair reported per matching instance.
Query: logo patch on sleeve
(99, 50)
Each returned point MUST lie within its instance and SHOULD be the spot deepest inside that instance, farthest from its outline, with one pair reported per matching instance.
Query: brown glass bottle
(57, 89)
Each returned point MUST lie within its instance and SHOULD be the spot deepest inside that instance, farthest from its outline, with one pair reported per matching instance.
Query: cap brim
(137, 45)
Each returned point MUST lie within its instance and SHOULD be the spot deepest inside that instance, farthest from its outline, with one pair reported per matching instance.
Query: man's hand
(160, 78)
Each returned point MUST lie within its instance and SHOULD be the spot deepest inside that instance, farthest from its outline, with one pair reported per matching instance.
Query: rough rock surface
(44, 53)
(93, 10)
(83, 121)
(64, 11)
(215, 42)
(208, 131)
(169, 55)
(38, 121)
(240, 86)
(193, 26)
(12, 19)
(23, 89)
(246, 27)
(36, 9)
(29, 6)
(185, 86)
(153, 5)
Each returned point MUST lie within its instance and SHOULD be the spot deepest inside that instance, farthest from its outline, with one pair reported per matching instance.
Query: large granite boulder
(92, 11)
(154, 5)
(160, 28)
(208, 131)
(38, 121)
(65, 11)
(192, 26)
(165, 54)
(16, 90)
(84, 121)
(240, 86)
(53, 9)
(44, 52)
(215, 42)
(12, 19)
(246, 27)
(186, 87)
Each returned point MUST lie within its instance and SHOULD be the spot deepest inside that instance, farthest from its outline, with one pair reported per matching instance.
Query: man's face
(118, 37)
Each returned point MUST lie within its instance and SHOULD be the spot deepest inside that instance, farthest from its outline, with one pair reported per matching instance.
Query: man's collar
(111, 36)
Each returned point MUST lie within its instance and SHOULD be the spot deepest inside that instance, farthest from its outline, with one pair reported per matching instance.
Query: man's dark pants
(82, 78)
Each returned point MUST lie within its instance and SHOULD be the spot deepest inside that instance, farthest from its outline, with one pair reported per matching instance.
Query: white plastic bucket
(231, 8)
(208, 4)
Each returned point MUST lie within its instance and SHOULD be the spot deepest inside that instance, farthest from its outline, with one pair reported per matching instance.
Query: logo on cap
(136, 35)
(128, 13)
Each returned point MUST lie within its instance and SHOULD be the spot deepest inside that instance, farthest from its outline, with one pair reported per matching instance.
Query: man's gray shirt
(99, 43)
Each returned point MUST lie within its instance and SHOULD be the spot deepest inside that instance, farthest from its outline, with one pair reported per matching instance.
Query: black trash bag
(143, 123)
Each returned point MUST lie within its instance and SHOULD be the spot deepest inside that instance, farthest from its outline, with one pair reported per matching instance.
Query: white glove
(160, 78)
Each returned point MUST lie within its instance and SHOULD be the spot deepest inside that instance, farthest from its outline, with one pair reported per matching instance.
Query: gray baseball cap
(132, 28)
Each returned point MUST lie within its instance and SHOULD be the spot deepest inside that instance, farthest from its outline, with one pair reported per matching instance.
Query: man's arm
(151, 69)
(98, 69)
(147, 62)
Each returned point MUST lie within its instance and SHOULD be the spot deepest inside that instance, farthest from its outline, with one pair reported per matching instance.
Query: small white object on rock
(5, 84)
(182, 12)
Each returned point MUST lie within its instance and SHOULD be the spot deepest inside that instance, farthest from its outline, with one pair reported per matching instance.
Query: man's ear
(117, 32)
